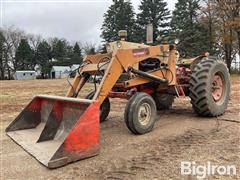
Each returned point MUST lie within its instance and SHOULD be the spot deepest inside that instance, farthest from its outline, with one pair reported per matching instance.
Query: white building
(58, 72)
(24, 75)
(74, 67)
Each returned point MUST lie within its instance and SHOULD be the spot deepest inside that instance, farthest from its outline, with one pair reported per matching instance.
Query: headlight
(176, 41)
(119, 44)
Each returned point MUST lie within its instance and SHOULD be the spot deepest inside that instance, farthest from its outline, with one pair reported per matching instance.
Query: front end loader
(60, 130)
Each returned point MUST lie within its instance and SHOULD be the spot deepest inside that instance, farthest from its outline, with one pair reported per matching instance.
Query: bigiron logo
(204, 170)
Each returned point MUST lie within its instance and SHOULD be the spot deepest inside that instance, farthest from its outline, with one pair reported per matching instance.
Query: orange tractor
(60, 130)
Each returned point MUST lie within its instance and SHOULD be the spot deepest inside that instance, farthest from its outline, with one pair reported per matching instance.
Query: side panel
(83, 140)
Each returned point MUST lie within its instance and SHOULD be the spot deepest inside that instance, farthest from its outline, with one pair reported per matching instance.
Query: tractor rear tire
(210, 87)
(163, 101)
(104, 108)
(140, 113)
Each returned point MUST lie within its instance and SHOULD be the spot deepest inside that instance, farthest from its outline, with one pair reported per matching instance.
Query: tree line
(201, 26)
(22, 51)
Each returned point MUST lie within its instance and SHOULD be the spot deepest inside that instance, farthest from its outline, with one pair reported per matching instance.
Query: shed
(75, 67)
(58, 72)
(24, 75)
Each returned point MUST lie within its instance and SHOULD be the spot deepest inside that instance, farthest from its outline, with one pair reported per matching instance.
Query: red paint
(140, 52)
(122, 95)
(57, 110)
(183, 77)
(85, 135)
(180, 90)
(217, 87)
(148, 90)
(35, 104)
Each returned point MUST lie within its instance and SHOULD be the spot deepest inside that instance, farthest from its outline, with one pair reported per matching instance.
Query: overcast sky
(73, 19)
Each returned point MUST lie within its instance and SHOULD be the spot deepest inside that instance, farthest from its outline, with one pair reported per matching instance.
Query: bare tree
(235, 23)
(88, 47)
(222, 19)
(2, 49)
(34, 40)
(209, 18)
(12, 38)
(226, 11)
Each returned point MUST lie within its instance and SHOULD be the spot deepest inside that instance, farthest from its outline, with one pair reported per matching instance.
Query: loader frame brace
(123, 60)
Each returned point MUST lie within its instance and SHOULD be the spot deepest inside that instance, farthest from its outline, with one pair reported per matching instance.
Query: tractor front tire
(210, 87)
(140, 113)
(104, 108)
(163, 101)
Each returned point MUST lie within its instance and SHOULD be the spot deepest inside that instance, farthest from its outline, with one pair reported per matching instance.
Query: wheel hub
(217, 87)
(144, 113)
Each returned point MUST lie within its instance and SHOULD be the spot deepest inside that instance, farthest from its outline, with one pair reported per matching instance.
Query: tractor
(59, 130)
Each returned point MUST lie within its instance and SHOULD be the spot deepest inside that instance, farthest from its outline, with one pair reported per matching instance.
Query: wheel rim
(144, 114)
(217, 87)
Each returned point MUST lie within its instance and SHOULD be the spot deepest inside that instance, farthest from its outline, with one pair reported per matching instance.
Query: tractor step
(57, 130)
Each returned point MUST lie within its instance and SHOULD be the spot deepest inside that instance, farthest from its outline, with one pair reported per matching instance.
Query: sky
(74, 20)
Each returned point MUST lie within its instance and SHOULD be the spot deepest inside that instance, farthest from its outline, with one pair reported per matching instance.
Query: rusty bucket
(57, 130)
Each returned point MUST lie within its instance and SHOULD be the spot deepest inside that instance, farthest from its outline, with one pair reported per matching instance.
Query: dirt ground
(178, 135)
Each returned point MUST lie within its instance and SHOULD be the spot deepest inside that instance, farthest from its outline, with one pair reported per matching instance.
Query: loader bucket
(57, 130)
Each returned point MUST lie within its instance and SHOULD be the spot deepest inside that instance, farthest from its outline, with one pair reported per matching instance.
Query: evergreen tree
(61, 52)
(92, 51)
(119, 16)
(59, 49)
(76, 55)
(24, 56)
(185, 26)
(153, 12)
(42, 56)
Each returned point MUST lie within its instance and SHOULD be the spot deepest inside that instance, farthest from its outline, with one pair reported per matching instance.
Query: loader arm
(80, 79)
(59, 130)
(121, 61)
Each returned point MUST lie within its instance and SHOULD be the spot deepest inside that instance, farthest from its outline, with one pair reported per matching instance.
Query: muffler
(57, 130)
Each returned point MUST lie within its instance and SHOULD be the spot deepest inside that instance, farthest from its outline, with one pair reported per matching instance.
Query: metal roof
(26, 71)
(75, 66)
(61, 68)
